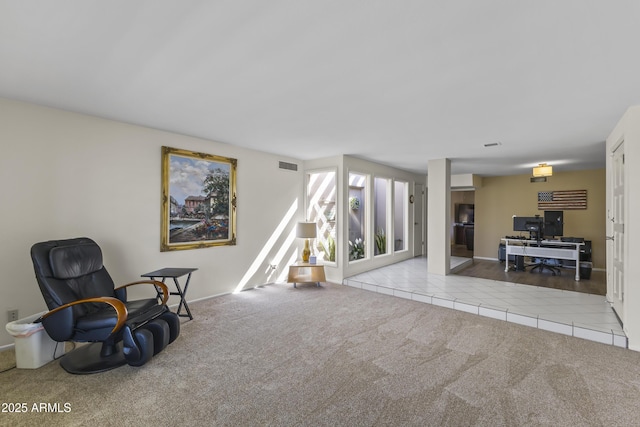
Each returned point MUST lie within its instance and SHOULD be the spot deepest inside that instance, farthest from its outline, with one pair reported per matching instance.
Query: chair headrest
(68, 262)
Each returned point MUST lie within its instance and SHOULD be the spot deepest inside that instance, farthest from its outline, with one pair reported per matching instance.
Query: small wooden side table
(303, 272)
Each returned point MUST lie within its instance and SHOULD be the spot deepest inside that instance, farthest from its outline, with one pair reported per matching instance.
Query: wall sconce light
(306, 230)
(542, 170)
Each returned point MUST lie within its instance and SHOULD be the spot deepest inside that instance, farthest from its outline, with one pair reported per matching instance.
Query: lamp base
(306, 252)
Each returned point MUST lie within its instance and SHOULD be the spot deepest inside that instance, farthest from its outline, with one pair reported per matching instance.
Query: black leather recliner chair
(86, 307)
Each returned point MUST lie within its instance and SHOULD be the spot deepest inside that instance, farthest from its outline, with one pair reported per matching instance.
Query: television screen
(465, 213)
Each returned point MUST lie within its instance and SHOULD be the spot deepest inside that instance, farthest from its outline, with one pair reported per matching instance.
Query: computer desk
(552, 249)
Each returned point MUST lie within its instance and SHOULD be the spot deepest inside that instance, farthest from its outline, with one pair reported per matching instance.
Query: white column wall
(439, 216)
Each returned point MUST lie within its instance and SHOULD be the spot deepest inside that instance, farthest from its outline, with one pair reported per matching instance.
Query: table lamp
(306, 230)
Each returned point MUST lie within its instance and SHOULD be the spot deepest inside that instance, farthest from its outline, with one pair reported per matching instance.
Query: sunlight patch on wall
(268, 247)
(284, 274)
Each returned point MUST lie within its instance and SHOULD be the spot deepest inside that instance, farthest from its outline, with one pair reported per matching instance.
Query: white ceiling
(398, 82)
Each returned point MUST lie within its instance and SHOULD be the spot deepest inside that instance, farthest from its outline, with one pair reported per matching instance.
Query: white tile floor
(570, 313)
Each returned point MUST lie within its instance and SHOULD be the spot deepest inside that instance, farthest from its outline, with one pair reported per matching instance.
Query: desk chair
(543, 264)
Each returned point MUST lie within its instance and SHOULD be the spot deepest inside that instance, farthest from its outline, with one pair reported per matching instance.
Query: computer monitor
(532, 224)
(526, 223)
(553, 223)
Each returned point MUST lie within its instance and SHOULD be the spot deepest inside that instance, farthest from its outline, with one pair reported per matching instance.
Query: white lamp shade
(306, 230)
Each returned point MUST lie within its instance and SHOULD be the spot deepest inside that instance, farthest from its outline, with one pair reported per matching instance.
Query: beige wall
(68, 175)
(500, 198)
(461, 197)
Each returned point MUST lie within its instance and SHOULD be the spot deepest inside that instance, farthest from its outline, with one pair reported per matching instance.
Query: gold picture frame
(198, 200)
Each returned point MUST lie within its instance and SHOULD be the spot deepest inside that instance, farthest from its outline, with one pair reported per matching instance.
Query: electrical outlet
(12, 315)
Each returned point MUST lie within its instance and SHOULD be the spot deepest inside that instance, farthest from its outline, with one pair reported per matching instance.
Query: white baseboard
(200, 299)
(485, 258)
(7, 347)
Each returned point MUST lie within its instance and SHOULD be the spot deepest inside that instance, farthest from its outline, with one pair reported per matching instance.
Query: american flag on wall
(562, 200)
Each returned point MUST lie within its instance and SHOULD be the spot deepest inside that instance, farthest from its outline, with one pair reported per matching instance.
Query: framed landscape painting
(198, 200)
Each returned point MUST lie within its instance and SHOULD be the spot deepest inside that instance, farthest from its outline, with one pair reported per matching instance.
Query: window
(400, 218)
(321, 209)
(357, 217)
(381, 201)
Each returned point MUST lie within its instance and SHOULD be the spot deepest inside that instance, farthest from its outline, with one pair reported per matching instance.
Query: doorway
(463, 223)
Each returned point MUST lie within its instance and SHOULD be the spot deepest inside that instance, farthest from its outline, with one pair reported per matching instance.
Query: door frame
(615, 238)
(419, 219)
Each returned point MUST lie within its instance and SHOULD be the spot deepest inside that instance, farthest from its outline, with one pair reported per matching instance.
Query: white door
(616, 240)
(418, 220)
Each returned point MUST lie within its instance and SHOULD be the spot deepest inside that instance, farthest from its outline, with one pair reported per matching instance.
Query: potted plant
(356, 249)
(329, 250)
(381, 241)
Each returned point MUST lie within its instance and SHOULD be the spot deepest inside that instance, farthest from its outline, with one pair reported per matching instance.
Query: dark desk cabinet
(458, 234)
(463, 235)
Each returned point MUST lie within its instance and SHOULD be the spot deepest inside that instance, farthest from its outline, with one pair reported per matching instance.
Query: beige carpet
(339, 356)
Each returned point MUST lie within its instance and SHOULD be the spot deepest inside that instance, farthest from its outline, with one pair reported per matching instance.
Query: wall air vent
(288, 166)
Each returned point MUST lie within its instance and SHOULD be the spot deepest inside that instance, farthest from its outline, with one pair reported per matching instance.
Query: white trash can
(34, 347)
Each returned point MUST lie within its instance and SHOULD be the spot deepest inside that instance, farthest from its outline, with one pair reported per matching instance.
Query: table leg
(183, 301)
(158, 291)
(181, 293)
(317, 285)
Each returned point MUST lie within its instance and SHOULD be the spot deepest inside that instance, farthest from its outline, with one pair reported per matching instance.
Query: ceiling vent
(288, 166)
